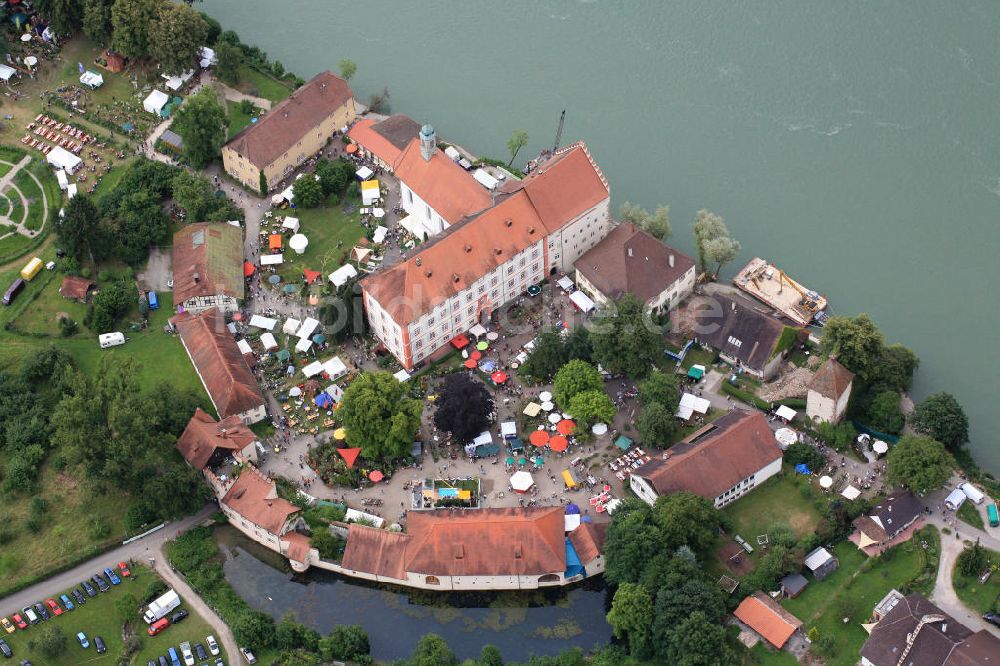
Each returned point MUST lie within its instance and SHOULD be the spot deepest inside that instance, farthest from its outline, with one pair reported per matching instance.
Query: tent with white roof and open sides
(340, 276)
(60, 158)
(7, 72)
(155, 102)
(91, 79)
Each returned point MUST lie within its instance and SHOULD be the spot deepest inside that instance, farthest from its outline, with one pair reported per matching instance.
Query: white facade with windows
(568, 243)
(416, 207)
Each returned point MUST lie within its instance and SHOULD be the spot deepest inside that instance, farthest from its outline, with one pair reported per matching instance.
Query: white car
(187, 654)
(213, 647)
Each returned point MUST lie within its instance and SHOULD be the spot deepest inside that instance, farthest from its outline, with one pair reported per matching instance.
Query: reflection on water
(519, 623)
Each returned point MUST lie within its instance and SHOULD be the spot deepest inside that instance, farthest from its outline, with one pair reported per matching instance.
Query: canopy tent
(696, 372)
(574, 567)
(379, 236)
(478, 330)
(290, 223)
(268, 341)
(323, 401)
(290, 326)
(532, 409)
(414, 226)
(71, 191)
(485, 179)
(370, 192)
(515, 444)
(335, 368)
(206, 57)
(360, 254)
(571, 521)
(175, 83)
(284, 355)
(565, 283)
(581, 301)
(508, 429)
(340, 276)
(785, 412)
(851, 493)
(349, 455)
(263, 322)
(470, 364)
(244, 347)
(155, 102)
(402, 376)
(92, 80)
(459, 341)
(310, 276)
(271, 259)
(364, 173)
(303, 345)
(298, 243)
(690, 404)
(623, 442)
(521, 481)
(785, 437)
(60, 158)
(334, 392)
(312, 369)
(274, 241)
(307, 328)
(61, 177)
(6, 72)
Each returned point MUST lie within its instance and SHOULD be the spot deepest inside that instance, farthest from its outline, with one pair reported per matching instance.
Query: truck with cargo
(13, 290)
(160, 607)
(31, 269)
(993, 515)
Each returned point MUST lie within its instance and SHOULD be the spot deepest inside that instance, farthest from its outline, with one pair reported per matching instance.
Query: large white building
(539, 227)
(721, 462)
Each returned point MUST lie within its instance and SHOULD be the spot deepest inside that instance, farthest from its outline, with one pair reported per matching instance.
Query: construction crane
(562, 119)
(809, 299)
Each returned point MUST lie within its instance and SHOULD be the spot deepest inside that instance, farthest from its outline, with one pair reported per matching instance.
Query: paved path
(7, 181)
(236, 96)
(139, 551)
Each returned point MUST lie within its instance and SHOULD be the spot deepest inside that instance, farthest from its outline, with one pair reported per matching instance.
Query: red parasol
(470, 363)
(565, 427)
(539, 437)
(375, 476)
(351, 148)
(558, 443)
(310, 276)
(237, 316)
(349, 455)
(499, 377)
(248, 269)
(476, 355)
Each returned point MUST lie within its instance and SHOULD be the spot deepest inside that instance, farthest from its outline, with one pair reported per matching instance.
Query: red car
(19, 621)
(53, 606)
(124, 569)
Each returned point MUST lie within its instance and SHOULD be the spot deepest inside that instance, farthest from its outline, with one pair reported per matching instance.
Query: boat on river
(772, 286)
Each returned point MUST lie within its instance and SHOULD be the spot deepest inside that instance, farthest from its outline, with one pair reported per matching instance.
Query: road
(140, 551)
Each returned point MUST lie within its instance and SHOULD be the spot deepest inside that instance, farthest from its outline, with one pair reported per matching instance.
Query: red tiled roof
(588, 540)
(208, 260)
(767, 618)
(75, 287)
(387, 138)
(298, 546)
(255, 497)
(446, 187)
(218, 360)
(375, 551)
(284, 125)
(831, 380)
(629, 260)
(203, 436)
(566, 185)
(715, 458)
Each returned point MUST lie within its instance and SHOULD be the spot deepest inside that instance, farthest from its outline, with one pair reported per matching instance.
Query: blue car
(174, 659)
(82, 637)
(66, 602)
(112, 576)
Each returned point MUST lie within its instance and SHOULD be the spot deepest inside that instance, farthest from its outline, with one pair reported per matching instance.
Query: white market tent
(263, 322)
(271, 259)
(71, 191)
(508, 429)
(955, 499)
(452, 153)
(303, 345)
(334, 392)
(291, 223)
(175, 82)
(312, 369)
(340, 276)
(207, 57)
(785, 437)
(335, 368)
(92, 80)
(155, 102)
(582, 301)
(414, 226)
(851, 493)
(355, 515)
(521, 481)
(379, 236)
(402, 376)
(785, 412)
(565, 283)
(60, 158)
(485, 179)
(290, 326)
(244, 347)
(268, 341)
(690, 404)
(61, 177)
(370, 192)
(364, 173)
(571, 521)
(478, 330)
(6, 72)
(307, 329)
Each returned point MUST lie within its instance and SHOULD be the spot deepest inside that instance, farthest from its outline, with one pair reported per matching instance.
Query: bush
(154, 589)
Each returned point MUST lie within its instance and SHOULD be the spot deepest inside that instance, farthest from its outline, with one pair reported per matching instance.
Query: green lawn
(698, 356)
(778, 500)
(325, 228)
(853, 590)
(763, 655)
(99, 617)
(258, 84)
(110, 180)
(4, 168)
(976, 595)
(33, 194)
(968, 513)
(237, 119)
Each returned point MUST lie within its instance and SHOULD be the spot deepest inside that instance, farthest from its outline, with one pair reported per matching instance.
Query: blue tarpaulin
(323, 400)
(802, 468)
(572, 508)
(573, 564)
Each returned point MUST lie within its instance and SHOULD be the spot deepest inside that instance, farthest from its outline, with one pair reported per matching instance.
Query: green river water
(853, 143)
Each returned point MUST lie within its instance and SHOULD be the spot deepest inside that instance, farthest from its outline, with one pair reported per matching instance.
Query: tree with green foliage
(328, 545)
(347, 68)
(919, 463)
(624, 338)
(290, 634)
(201, 122)
(379, 416)
(517, 141)
(856, 342)
(655, 224)
(65, 16)
(432, 650)
(347, 642)
(547, 356)
(110, 304)
(334, 175)
(631, 618)
(228, 60)
(631, 543)
(973, 560)
(308, 192)
(176, 37)
(195, 194)
(577, 344)
(686, 519)
(262, 184)
(490, 656)
(838, 437)
(896, 367)
(127, 607)
(214, 29)
(590, 407)
(97, 20)
(884, 412)
(575, 377)
(660, 387)
(801, 453)
(715, 245)
(52, 640)
(700, 642)
(137, 223)
(254, 629)
(132, 22)
(721, 251)
(656, 425)
(779, 561)
(79, 227)
(941, 416)
(674, 605)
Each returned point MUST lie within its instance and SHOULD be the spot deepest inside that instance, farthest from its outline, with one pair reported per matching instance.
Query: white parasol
(825, 482)
(555, 417)
(521, 481)
(786, 437)
(548, 406)
(880, 447)
(599, 428)
(545, 396)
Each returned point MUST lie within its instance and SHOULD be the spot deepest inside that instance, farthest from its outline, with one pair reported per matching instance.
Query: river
(853, 143)
(519, 624)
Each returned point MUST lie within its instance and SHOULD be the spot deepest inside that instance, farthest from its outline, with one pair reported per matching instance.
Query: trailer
(973, 493)
(159, 608)
(16, 287)
(31, 269)
(111, 339)
(991, 513)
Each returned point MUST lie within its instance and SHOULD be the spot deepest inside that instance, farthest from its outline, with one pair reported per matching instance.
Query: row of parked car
(186, 654)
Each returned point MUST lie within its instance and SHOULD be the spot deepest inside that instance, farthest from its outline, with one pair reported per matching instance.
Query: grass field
(100, 617)
(761, 654)
(969, 513)
(779, 500)
(325, 228)
(111, 179)
(975, 594)
(259, 84)
(33, 194)
(851, 592)
(237, 119)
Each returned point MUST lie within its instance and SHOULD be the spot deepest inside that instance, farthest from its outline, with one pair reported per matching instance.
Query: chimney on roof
(428, 142)
(531, 230)
(509, 222)
(197, 278)
(454, 277)
(670, 260)
(497, 251)
(429, 272)
(468, 248)
(417, 260)
(630, 252)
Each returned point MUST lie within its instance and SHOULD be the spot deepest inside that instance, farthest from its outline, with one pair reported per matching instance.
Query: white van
(955, 499)
(972, 493)
(111, 339)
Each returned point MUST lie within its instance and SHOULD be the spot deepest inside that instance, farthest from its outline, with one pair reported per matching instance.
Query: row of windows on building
(738, 489)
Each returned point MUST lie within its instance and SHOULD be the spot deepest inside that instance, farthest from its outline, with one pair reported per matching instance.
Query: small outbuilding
(829, 391)
(76, 288)
(821, 563)
(792, 585)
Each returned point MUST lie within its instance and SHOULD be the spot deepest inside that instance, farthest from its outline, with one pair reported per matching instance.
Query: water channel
(519, 624)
